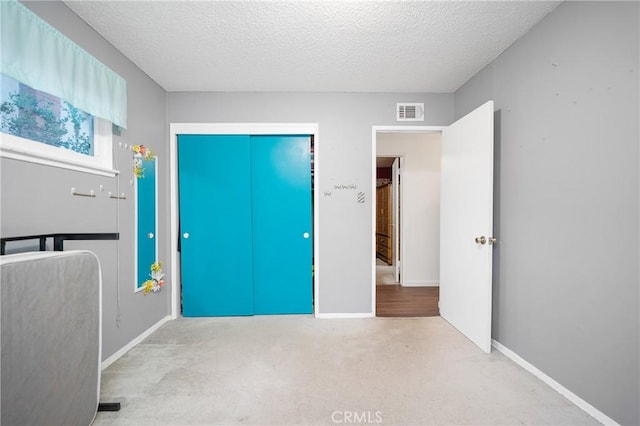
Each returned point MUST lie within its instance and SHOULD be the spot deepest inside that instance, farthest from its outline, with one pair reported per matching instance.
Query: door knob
(150, 235)
(481, 240)
(484, 240)
(305, 235)
(185, 235)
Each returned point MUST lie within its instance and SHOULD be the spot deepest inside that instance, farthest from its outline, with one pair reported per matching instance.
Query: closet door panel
(282, 224)
(215, 225)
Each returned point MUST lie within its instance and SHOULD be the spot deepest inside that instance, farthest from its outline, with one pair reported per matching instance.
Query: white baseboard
(126, 348)
(347, 315)
(581, 403)
(421, 283)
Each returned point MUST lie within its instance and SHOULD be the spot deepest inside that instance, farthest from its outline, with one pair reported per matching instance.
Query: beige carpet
(385, 273)
(290, 370)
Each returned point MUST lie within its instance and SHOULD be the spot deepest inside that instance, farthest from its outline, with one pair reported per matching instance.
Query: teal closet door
(215, 225)
(282, 219)
(146, 221)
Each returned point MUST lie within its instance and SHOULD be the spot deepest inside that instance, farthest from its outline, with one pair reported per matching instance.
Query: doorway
(465, 218)
(407, 199)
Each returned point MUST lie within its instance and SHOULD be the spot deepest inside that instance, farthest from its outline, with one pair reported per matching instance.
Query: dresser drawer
(382, 240)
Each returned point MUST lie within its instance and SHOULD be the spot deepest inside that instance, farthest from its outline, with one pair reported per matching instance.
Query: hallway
(393, 300)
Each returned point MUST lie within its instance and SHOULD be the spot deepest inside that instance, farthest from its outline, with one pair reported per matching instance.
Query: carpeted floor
(384, 273)
(297, 370)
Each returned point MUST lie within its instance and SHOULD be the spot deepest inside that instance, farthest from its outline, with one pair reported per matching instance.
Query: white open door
(466, 225)
(395, 188)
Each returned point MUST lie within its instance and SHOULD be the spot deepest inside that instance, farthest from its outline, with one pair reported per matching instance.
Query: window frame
(101, 163)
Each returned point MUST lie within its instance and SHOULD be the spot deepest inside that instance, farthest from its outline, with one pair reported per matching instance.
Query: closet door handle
(150, 235)
(186, 235)
(305, 235)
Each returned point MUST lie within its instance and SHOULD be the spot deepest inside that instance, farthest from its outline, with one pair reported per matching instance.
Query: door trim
(176, 129)
(374, 148)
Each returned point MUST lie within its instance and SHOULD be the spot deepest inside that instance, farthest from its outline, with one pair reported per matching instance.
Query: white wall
(420, 191)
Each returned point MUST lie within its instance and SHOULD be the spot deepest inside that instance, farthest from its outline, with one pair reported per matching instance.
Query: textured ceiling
(320, 46)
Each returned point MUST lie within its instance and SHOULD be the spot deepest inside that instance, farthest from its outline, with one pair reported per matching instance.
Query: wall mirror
(146, 212)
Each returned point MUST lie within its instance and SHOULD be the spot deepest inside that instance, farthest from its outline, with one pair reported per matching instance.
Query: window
(43, 128)
(55, 108)
(41, 117)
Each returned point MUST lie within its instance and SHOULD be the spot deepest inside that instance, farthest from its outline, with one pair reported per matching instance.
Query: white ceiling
(319, 46)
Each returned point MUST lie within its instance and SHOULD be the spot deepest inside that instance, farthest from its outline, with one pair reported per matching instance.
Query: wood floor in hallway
(398, 301)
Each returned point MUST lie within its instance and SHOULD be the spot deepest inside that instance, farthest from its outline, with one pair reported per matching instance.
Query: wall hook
(83, 194)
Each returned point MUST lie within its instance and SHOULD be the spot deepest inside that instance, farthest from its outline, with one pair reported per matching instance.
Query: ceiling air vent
(409, 112)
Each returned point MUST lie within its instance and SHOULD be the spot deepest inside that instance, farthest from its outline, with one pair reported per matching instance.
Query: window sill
(101, 163)
(47, 160)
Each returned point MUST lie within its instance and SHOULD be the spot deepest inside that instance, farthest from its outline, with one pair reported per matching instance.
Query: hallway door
(466, 225)
(395, 215)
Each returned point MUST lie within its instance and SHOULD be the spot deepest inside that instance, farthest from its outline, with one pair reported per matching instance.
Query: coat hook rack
(118, 197)
(83, 194)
